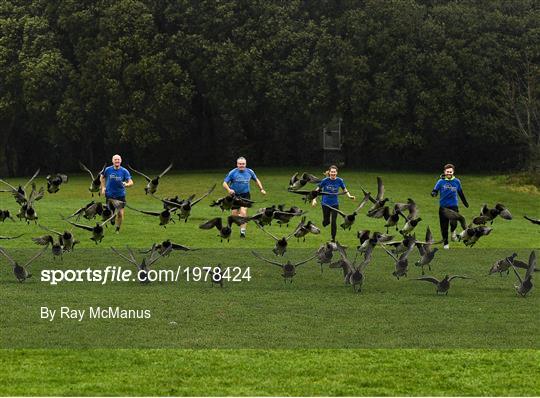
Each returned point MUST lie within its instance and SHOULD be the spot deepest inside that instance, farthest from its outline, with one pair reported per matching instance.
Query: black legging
(328, 214)
(445, 221)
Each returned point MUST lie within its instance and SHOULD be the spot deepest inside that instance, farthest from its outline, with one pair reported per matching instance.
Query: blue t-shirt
(114, 178)
(331, 186)
(448, 189)
(238, 180)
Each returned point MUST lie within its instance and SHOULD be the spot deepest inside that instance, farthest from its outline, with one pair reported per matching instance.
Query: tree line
(416, 82)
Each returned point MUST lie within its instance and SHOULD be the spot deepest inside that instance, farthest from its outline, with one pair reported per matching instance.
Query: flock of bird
(398, 249)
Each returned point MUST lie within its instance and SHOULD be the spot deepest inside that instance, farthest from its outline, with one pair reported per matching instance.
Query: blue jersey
(238, 180)
(331, 186)
(114, 179)
(449, 191)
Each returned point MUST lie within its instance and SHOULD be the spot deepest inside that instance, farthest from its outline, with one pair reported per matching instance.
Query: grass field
(264, 337)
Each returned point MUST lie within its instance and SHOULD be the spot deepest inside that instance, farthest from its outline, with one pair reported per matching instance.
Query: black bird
(426, 252)
(152, 183)
(281, 244)
(442, 285)
(172, 202)
(525, 284)
(296, 183)
(471, 235)
(21, 271)
(97, 231)
(264, 216)
(224, 230)
(164, 216)
(352, 274)
(283, 216)
(66, 238)
(288, 269)
(231, 202)
(392, 219)
(19, 193)
(503, 265)
(144, 265)
(310, 195)
(401, 263)
(411, 220)
(488, 215)
(54, 181)
(410, 206)
(47, 240)
(166, 247)
(325, 253)
(5, 214)
(401, 246)
(368, 242)
(187, 205)
(88, 211)
(303, 228)
(454, 216)
(27, 210)
(95, 183)
(349, 219)
(377, 210)
(533, 220)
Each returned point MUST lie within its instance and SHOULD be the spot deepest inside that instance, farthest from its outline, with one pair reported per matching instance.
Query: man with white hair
(114, 181)
(236, 182)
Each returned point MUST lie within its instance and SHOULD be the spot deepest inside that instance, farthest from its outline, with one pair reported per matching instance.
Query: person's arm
(314, 201)
(102, 180)
(260, 186)
(347, 192)
(228, 189)
(436, 188)
(128, 181)
(226, 181)
(462, 196)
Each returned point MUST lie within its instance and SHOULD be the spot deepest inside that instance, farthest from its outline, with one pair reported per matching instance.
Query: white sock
(242, 230)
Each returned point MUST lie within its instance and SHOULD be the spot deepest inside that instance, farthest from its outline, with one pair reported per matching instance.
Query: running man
(114, 181)
(449, 187)
(331, 184)
(236, 182)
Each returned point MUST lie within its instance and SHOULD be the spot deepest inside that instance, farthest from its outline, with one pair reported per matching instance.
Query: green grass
(264, 337)
(271, 372)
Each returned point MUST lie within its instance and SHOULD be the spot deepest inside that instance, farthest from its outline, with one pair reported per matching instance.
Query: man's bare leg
(119, 219)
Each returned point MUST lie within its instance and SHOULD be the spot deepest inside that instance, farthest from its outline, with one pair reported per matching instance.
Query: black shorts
(111, 206)
(245, 195)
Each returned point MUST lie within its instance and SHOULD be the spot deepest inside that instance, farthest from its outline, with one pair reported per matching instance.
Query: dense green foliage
(416, 82)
